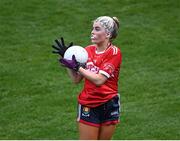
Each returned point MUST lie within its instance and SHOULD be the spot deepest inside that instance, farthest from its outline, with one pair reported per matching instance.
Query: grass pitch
(37, 98)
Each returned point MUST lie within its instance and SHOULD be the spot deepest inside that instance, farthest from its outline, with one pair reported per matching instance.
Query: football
(79, 52)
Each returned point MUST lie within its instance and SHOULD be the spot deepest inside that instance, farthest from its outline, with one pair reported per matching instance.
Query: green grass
(37, 98)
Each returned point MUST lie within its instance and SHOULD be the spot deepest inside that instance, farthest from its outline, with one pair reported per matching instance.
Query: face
(98, 33)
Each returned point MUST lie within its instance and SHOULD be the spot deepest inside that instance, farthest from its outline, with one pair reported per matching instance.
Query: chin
(94, 42)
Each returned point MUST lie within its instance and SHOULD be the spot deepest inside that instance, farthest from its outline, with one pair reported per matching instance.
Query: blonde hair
(111, 25)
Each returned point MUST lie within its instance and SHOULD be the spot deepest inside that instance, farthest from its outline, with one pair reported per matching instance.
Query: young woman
(98, 110)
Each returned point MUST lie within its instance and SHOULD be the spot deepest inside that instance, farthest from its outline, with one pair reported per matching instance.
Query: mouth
(93, 37)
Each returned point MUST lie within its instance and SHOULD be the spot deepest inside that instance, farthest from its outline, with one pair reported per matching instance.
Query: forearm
(97, 79)
(75, 77)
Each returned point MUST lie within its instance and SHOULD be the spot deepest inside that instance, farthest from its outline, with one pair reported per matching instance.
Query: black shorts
(105, 114)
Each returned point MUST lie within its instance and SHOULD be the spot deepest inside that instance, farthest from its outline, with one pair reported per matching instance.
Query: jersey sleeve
(110, 64)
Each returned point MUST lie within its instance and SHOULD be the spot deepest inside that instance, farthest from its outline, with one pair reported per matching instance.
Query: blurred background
(38, 99)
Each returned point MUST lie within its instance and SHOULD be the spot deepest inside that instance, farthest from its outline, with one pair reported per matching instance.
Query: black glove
(60, 47)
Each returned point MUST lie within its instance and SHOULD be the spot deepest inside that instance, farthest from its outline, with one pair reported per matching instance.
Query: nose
(92, 32)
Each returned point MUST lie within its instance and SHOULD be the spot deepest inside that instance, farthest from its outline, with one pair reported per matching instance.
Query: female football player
(98, 110)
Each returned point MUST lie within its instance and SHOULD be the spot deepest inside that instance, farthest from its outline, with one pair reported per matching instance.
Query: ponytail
(115, 28)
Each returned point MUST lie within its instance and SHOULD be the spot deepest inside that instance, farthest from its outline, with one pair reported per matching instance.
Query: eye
(97, 28)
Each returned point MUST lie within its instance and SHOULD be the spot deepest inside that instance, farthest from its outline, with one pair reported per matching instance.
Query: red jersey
(108, 64)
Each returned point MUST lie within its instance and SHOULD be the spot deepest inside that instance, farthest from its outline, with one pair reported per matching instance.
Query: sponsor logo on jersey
(91, 67)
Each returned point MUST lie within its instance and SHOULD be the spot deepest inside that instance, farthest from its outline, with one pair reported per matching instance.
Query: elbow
(99, 83)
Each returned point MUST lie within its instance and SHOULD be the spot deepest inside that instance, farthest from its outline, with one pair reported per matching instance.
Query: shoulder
(114, 51)
(114, 54)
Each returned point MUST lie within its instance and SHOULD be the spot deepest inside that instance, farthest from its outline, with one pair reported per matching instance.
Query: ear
(108, 35)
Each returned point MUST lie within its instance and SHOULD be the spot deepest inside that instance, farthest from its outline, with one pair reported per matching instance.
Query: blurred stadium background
(37, 98)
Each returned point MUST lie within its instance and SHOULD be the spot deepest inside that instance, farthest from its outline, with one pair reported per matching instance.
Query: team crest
(85, 111)
(109, 68)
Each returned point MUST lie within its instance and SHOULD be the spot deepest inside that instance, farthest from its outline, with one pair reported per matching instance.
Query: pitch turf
(38, 100)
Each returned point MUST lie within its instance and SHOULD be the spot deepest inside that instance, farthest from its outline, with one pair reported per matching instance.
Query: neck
(102, 46)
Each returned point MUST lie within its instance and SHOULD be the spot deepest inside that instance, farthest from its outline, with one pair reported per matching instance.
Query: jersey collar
(104, 50)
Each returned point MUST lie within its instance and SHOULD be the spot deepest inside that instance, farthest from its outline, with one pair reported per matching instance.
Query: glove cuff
(83, 65)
